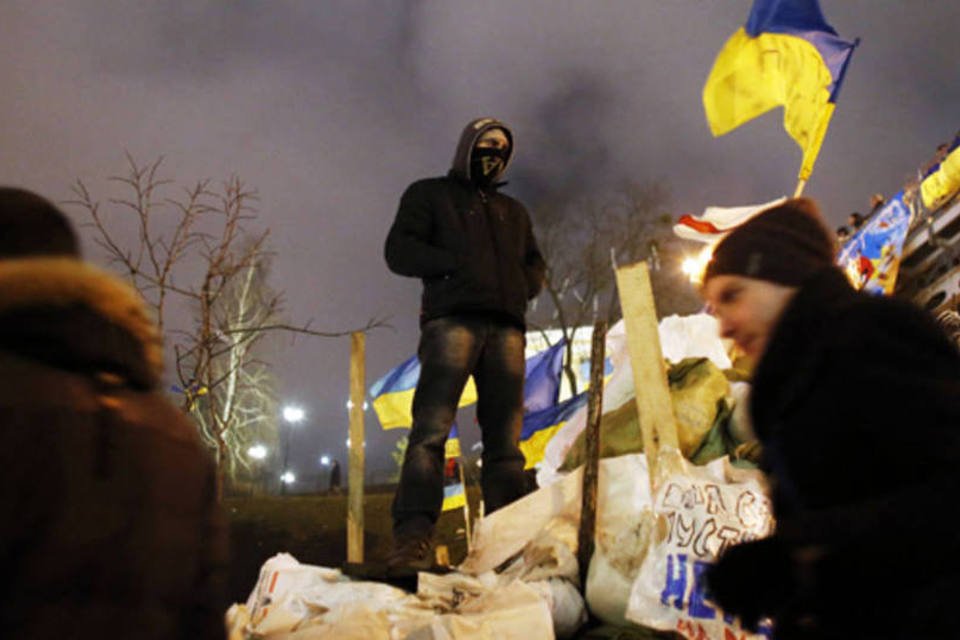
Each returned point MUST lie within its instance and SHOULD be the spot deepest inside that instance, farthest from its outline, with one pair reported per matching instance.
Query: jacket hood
(468, 138)
(74, 316)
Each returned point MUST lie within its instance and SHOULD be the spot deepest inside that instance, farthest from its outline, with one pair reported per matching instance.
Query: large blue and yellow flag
(786, 55)
(393, 394)
(540, 426)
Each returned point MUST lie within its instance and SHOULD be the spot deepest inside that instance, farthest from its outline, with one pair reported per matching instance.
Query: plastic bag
(700, 511)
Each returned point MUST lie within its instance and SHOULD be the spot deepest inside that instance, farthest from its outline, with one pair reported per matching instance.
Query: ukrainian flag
(541, 386)
(454, 496)
(786, 55)
(452, 446)
(541, 389)
(393, 394)
(454, 493)
(943, 181)
(540, 426)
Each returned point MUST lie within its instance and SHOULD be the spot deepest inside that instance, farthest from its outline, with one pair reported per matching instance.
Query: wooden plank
(654, 408)
(466, 503)
(356, 454)
(586, 536)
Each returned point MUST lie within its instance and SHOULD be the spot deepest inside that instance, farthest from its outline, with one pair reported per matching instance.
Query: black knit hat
(33, 226)
(785, 244)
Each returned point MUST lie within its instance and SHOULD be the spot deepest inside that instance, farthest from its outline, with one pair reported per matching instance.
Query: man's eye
(729, 296)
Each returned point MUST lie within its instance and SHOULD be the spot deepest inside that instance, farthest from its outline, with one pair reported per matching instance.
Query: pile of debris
(521, 578)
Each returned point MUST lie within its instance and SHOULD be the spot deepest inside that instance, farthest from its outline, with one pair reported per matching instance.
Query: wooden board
(356, 455)
(654, 408)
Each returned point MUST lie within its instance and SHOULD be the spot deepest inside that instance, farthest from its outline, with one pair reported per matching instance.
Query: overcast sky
(329, 109)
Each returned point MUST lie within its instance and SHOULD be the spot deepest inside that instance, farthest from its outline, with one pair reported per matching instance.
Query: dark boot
(411, 553)
(412, 544)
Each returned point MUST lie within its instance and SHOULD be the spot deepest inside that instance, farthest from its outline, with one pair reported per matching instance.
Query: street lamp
(292, 415)
(257, 452)
(325, 460)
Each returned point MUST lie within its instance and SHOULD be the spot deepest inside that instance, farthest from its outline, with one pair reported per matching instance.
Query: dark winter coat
(473, 247)
(109, 525)
(857, 404)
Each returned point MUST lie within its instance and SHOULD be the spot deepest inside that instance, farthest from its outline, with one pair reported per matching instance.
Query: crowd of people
(855, 401)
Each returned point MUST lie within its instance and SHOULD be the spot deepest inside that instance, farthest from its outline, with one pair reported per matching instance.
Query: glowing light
(324, 460)
(288, 477)
(694, 266)
(293, 414)
(350, 405)
(257, 452)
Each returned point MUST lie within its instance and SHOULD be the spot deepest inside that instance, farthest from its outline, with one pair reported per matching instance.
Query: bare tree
(193, 257)
(583, 240)
(239, 402)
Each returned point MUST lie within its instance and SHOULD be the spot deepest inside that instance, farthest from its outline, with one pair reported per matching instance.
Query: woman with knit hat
(856, 401)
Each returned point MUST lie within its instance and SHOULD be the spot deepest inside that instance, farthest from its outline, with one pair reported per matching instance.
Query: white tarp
(693, 336)
(293, 601)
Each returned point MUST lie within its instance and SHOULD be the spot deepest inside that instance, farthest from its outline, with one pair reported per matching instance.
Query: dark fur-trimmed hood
(74, 316)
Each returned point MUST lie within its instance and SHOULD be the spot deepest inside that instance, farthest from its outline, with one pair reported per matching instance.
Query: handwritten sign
(703, 511)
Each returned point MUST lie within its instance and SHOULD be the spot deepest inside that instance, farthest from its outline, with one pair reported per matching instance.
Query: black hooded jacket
(473, 247)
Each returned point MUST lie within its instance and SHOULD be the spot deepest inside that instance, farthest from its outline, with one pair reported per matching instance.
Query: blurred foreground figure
(856, 400)
(109, 523)
(474, 250)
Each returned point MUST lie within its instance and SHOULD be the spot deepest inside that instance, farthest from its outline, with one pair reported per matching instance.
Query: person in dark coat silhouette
(335, 479)
(109, 521)
(856, 401)
(474, 250)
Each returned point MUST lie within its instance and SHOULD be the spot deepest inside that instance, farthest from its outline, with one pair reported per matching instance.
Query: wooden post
(654, 408)
(466, 502)
(356, 454)
(799, 190)
(588, 501)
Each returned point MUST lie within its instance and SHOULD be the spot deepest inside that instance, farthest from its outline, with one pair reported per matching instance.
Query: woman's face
(747, 309)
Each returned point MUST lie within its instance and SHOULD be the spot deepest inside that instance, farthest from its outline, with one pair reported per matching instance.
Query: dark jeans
(451, 349)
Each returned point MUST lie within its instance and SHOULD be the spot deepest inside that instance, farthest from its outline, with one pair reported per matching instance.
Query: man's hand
(753, 580)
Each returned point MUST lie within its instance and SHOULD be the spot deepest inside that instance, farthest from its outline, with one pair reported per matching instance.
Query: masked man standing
(474, 250)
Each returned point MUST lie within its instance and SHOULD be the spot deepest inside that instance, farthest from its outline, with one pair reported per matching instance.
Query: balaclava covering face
(487, 163)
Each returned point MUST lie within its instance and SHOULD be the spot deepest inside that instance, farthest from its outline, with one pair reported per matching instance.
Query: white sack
(701, 510)
(512, 612)
(624, 521)
(505, 532)
(290, 596)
